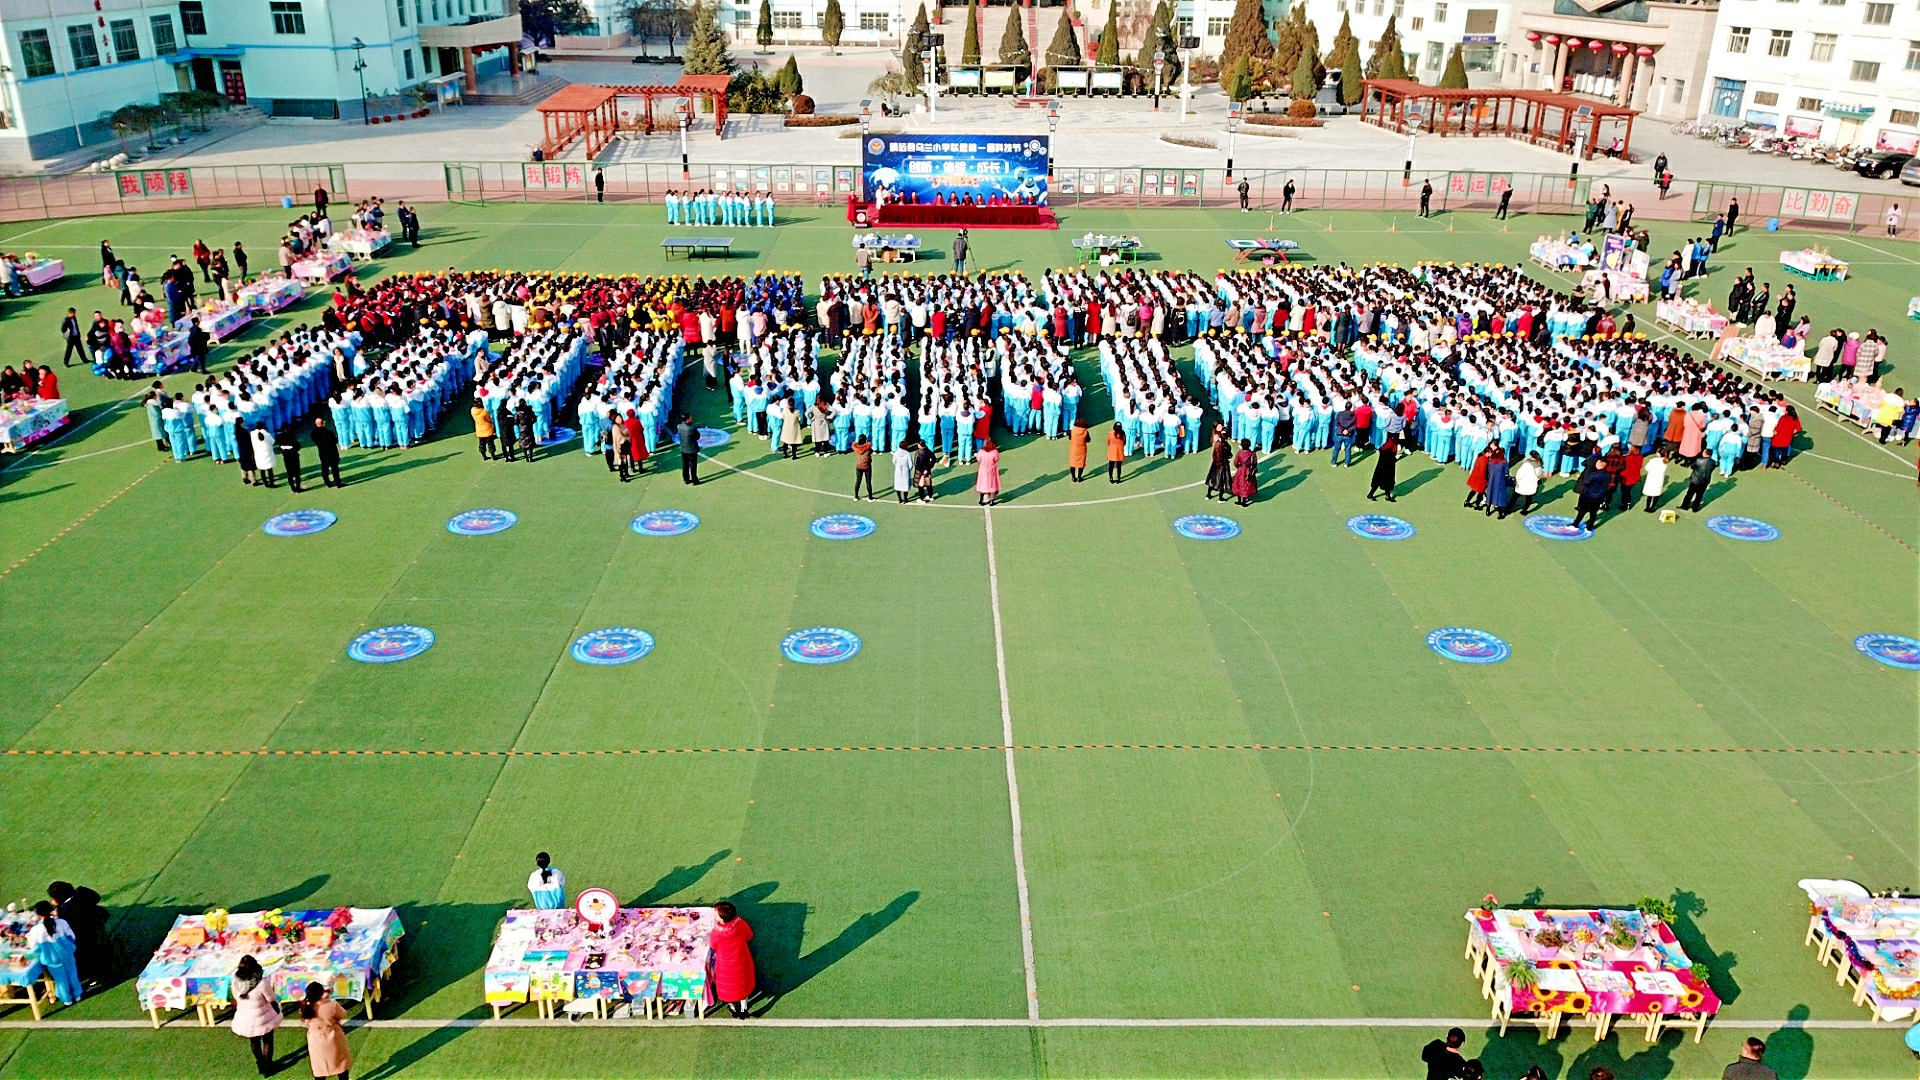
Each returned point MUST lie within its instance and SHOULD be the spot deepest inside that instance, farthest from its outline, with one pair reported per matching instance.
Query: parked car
(1881, 164)
(1910, 175)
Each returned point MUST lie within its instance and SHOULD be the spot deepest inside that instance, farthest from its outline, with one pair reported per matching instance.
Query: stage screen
(949, 167)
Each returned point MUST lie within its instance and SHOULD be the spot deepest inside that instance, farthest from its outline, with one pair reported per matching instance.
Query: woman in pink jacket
(255, 1012)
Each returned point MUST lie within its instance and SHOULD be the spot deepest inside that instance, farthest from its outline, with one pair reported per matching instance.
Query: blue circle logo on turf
(665, 523)
(299, 522)
(482, 522)
(1468, 646)
(1890, 649)
(1734, 527)
(711, 437)
(390, 643)
(820, 645)
(559, 435)
(1206, 527)
(1380, 527)
(614, 645)
(1557, 527)
(842, 527)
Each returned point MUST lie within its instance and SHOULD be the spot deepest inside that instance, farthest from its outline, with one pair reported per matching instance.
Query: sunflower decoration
(1577, 1003)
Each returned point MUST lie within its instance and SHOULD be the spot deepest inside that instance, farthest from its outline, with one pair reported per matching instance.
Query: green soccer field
(1253, 804)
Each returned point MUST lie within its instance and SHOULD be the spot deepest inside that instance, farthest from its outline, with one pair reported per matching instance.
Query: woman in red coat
(1477, 481)
(1244, 484)
(733, 976)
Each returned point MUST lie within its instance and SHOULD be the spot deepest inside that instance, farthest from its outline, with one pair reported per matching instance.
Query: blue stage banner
(931, 167)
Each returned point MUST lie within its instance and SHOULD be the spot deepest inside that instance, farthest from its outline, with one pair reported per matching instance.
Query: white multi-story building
(1843, 71)
(66, 65)
(1642, 54)
(1429, 29)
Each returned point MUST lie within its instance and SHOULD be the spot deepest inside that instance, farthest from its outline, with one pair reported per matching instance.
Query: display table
(359, 243)
(349, 950)
(269, 294)
(1263, 246)
(1559, 255)
(1876, 942)
(157, 352)
(990, 217)
(21, 972)
(1556, 965)
(905, 248)
(25, 421)
(1913, 308)
(1850, 398)
(322, 266)
(1620, 284)
(1817, 265)
(1100, 248)
(218, 318)
(647, 958)
(1690, 317)
(43, 272)
(1767, 357)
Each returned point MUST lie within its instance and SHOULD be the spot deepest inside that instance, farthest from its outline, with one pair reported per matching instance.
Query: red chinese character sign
(149, 182)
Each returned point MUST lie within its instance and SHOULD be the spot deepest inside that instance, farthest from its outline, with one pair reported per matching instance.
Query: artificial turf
(1667, 692)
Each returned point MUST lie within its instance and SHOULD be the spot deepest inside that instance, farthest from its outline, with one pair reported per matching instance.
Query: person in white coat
(256, 1013)
(262, 453)
(902, 472)
(1655, 480)
(1526, 482)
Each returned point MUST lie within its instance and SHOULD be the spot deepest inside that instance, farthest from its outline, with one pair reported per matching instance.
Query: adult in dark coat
(689, 437)
(198, 345)
(523, 422)
(1499, 482)
(326, 443)
(1593, 487)
(288, 444)
(1385, 465)
(1220, 471)
(243, 449)
(80, 907)
(508, 440)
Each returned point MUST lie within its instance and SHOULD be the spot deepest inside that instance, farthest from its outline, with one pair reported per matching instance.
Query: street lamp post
(1053, 127)
(686, 123)
(929, 59)
(1187, 45)
(360, 69)
(1233, 124)
(1159, 65)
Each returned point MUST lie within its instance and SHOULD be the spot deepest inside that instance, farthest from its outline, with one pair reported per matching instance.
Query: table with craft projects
(322, 266)
(348, 950)
(218, 318)
(647, 959)
(1875, 942)
(25, 421)
(270, 293)
(1619, 284)
(890, 248)
(1767, 358)
(1557, 964)
(43, 272)
(157, 352)
(22, 976)
(1559, 255)
(1101, 248)
(1850, 398)
(1690, 317)
(1817, 265)
(359, 243)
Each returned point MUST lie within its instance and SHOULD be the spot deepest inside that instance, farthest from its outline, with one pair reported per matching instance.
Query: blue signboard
(949, 168)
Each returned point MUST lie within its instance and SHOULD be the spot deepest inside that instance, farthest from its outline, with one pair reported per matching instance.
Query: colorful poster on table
(931, 166)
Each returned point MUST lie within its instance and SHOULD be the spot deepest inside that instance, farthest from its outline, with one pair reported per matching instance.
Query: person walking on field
(1383, 471)
(862, 467)
(988, 482)
(902, 472)
(327, 1049)
(733, 974)
(1426, 199)
(1077, 438)
(1116, 453)
(1749, 1067)
(483, 431)
(255, 1012)
(1893, 220)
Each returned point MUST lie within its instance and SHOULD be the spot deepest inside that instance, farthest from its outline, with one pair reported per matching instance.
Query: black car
(1881, 164)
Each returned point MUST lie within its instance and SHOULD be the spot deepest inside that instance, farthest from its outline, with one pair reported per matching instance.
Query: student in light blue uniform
(51, 940)
(547, 884)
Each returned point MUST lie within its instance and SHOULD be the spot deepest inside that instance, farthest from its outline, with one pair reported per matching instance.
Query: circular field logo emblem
(1206, 527)
(820, 645)
(665, 523)
(842, 527)
(482, 522)
(390, 643)
(614, 645)
(711, 437)
(1380, 527)
(1557, 527)
(1734, 527)
(1468, 646)
(1890, 649)
(559, 435)
(299, 522)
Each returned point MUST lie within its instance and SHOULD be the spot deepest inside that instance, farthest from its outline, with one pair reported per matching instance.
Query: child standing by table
(547, 884)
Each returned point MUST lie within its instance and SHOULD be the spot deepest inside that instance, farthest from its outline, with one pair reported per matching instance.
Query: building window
(419, 11)
(1217, 27)
(193, 18)
(426, 61)
(1439, 13)
(1379, 7)
(36, 53)
(1808, 104)
(1903, 117)
(1833, 3)
(1780, 43)
(400, 9)
(1823, 44)
(406, 60)
(163, 40)
(1913, 56)
(1419, 23)
(1183, 26)
(1436, 55)
(1766, 97)
(1679, 91)
(1878, 14)
(86, 51)
(873, 20)
(1737, 38)
(126, 43)
(1865, 71)
(287, 17)
(1399, 9)
(436, 10)
(786, 20)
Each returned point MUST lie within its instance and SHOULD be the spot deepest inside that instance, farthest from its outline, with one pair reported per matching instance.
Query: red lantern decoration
(1596, 46)
(1553, 39)
(1644, 50)
(1574, 43)
(1533, 35)
(1619, 47)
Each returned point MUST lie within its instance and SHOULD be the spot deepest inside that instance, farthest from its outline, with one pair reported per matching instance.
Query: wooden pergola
(1536, 116)
(711, 88)
(578, 112)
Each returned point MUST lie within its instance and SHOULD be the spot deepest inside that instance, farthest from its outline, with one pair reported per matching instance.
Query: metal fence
(1808, 205)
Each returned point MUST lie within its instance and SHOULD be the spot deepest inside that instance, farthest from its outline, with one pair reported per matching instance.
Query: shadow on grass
(779, 928)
